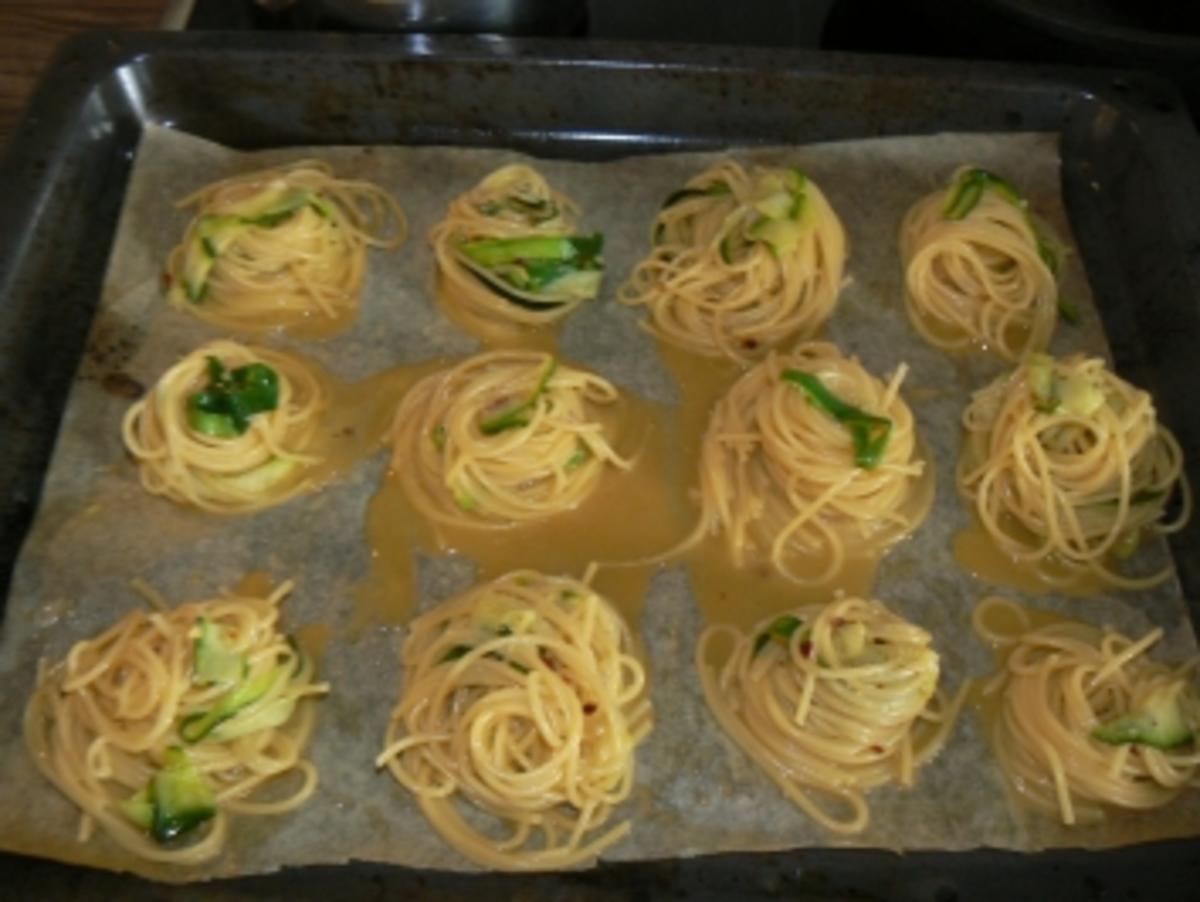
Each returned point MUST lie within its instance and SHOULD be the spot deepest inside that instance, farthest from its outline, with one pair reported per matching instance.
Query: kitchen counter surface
(31, 29)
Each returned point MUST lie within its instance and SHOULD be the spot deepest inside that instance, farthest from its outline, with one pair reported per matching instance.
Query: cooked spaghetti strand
(523, 697)
(831, 701)
(512, 204)
(1066, 466)
(741, 262)
(985, 278)
(1062, 686)
(779, 477)
(102, 724)
(227, 473)
(503, 437)
(280, 246)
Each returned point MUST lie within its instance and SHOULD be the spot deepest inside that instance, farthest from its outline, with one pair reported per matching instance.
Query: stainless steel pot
(512, 17)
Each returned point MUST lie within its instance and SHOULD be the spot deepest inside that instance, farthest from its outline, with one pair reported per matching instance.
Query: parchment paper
(695, 792)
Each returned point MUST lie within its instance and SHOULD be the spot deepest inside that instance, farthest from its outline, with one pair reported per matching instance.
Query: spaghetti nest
(168, 722)
(280, 246)
(979, 271)
(228, 429)
(523, 695)
(503, 437)
(829, 699)
(1083, 719)
(507, 252)
(809, 457)
(1068, 469)
(741, 262)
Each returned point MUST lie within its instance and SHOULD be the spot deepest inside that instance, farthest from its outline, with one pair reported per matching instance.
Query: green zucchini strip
(518, 415)
(969, 192)
(780, 629)
(223, 409)
(212, 660)
(491, 252)
(716, 189)
(176, 801)
(1159, 722)
(198, 725)
(870, 433)
(537, 271)
(216, 233)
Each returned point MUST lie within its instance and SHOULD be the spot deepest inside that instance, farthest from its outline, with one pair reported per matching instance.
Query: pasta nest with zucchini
(280, 246)
(166, 723)
(741, 262)
(980, 270)
(504, 437)
(522, 696)
(831, 701)
(1085, 720)
(1067, 468)
(508, 252)
(229, 428)
(810, 456)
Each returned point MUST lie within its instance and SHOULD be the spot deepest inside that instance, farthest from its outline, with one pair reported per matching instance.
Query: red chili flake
(749, 343)
(806, 648)
(166, 279)
(877, 749)
(547, 659)
(589, 708)
(878, 641)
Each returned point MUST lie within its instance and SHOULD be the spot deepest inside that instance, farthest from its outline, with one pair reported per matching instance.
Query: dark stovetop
(1159, 37)
(764, 23)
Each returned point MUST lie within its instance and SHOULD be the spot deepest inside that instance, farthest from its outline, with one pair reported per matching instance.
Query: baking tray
(1131, 181)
